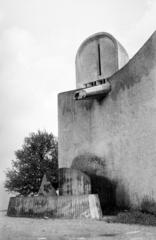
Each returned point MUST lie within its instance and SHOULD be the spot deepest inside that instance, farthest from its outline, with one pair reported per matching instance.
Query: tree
(38, 156)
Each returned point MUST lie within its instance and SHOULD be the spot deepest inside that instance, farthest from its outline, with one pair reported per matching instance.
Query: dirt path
(52, 229)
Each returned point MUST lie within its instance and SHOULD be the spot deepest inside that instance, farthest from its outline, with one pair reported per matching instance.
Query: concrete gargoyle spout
(91, 92)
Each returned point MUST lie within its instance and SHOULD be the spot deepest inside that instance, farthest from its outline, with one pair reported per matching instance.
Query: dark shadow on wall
(106, 191)
(94, 167)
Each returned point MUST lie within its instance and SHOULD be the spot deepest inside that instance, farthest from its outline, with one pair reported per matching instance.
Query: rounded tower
(99, 57)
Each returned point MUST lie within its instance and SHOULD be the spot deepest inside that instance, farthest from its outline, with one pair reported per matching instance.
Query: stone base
(82, 206)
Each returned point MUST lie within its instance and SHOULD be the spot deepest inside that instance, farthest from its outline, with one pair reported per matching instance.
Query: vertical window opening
(99, 59)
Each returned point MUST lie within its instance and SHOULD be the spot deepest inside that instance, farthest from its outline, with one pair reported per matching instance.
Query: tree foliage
(38, 156)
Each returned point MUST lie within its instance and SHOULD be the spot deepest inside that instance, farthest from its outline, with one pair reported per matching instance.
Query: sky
(38, 43)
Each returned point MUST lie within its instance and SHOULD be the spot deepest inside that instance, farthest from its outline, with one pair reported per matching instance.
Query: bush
(148, 206)
(38, 156)
(134, 217)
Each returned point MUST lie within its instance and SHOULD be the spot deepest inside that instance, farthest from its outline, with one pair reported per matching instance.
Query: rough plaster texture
(119, 129)
(99, 56)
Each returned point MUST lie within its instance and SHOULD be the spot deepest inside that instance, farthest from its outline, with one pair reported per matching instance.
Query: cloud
(28, 92)
(30, 80)
(143, 29)
(149, 3)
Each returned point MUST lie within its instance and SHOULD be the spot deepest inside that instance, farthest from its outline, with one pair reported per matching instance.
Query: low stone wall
(83, 206)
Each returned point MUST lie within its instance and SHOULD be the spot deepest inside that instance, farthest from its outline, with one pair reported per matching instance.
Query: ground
(62, 229)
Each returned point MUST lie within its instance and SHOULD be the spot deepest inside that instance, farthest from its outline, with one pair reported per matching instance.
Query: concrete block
(46, 188)
(73, 182)
(83, 206)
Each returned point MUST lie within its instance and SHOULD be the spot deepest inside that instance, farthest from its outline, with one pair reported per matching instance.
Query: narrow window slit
(99, 59)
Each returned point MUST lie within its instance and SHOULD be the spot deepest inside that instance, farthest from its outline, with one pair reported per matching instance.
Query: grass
(134, 217)
(145, 216)
(148, 206)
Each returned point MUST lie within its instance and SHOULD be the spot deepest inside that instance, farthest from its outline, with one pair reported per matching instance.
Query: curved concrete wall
(99, 56)
(120, 129)
(73, 182)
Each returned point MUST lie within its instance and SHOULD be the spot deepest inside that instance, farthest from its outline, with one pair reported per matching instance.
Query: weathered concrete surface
(71, 229)
(73, 182)
(119, 129)
(83, 206)
(46, 188)
(99, 56)
(95, 168)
